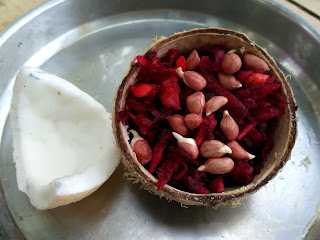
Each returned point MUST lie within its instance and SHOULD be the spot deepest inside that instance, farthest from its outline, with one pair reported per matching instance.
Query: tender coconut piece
(63, 143)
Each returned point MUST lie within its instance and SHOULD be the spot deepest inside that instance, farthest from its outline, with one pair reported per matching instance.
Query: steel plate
(91, 43)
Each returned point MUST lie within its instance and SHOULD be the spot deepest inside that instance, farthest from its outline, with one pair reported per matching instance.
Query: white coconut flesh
(63, 143)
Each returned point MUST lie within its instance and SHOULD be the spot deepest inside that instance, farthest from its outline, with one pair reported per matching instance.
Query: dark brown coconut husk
(284, 136)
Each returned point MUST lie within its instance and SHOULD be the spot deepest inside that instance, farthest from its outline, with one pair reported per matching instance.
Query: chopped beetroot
(269, 141)
(185, 92)
(166, 170)
(262, 126)
(182, 156)
(153, 70)
(142, 61)
(194, 182)
(219, 135)
(137, 107)
(151, 136)
(152, 94)
(236, 108)
(201, 135)
(144, 123)
(218, 55)
(153, 59)
(243, 93)
(165, 113)
(250, 103)
(268, 109)
(154, 111)
(159, 148)
(242, 173)
(265, 150)
(246, 130)
(277, 97)
(206, 129)
(173, 56)
(243, 75)
(124, 117)
(217, 185)
(255, 78)
(259, 91)
(181, 62)
(206, 65)
(209, 95)
(179, 175)
(255, 137)
(169, 93)
(212, 83)
(249, 117)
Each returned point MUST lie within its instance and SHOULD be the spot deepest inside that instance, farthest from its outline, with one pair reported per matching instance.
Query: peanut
(187, 144)
(193, 120)
(213, 148)
(217, 165)
(231, 63)
(238, 152)
(252, 62)
(178, 125)
(228, 81)
(215, 103)
(194, 80)
(229, 126)
(141, 148)
(193, 60)
(196, 103)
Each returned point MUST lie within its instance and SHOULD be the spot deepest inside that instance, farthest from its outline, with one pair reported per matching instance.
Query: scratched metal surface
(91, 44)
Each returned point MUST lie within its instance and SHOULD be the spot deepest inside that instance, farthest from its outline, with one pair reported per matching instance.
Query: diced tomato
(181, 62)
(143, 89)
(255, 78)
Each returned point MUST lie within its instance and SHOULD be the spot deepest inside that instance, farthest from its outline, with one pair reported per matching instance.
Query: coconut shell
(285, 133)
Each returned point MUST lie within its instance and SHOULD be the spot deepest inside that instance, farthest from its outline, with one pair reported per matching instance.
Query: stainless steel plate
(91, 43)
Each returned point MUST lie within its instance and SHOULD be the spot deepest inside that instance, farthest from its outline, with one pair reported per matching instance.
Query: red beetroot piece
(268, 109)
(243, 75)
(217, 185)
(166, 170)
(183, 156)
(180, 174)
(169, 93)
(159, 148)
(194, 181)
(206, 129)
(173, 56)
(144, 123)
(153, 70)
(218, 56)
(246, 130)
(277, 97)
(242, 173)
(124, 117)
